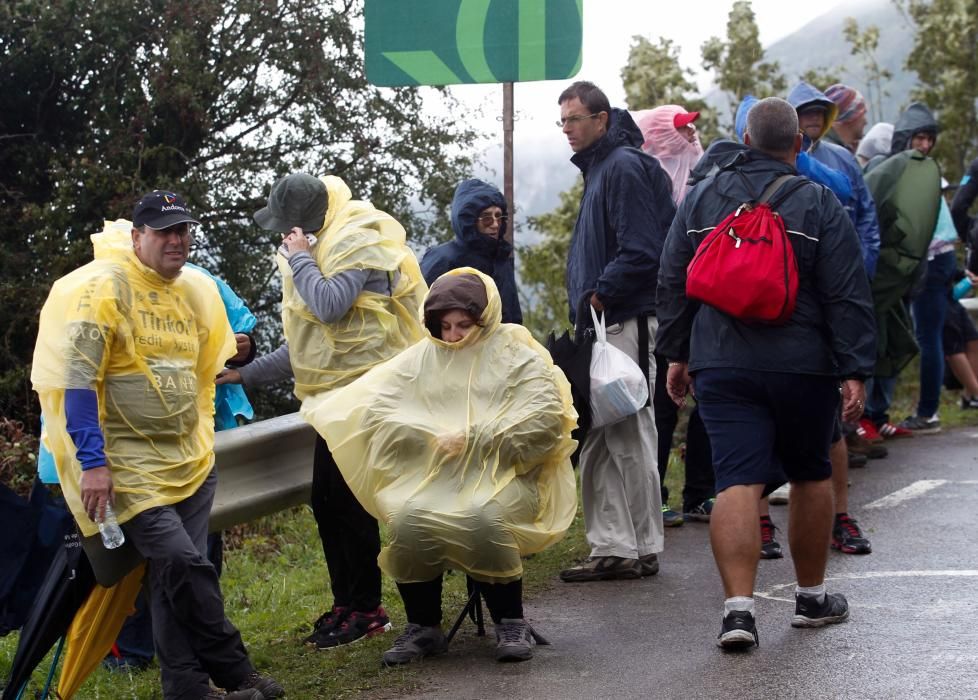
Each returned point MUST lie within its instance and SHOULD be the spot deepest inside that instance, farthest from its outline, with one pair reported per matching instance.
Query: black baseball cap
(299, 200)
(161, 209)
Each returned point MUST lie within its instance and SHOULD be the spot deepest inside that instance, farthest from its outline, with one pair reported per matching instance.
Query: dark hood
(806, 95)
(622, 131)
(720, 154)
(471, 198)
(915, 119)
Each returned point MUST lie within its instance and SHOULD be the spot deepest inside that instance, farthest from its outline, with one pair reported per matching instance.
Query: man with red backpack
(768, 389)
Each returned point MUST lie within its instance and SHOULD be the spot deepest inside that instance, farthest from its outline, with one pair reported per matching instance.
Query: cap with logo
(161, 209)
(299, 200)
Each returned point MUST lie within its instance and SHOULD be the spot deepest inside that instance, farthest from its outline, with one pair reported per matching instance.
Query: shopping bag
(618, 386)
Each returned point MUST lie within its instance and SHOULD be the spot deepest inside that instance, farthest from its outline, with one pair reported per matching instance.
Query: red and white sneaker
(866, 429)
(890, 431)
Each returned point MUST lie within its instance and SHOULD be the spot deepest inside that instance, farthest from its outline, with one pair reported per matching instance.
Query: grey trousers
(619, 478)
(194, 640)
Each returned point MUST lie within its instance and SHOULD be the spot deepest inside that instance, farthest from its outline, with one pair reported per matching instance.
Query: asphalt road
(913, 630)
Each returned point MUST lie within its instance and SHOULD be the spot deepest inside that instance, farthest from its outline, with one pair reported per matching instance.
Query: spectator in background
(850, 122)
(967, 225)
(875, 146)
(479, 219)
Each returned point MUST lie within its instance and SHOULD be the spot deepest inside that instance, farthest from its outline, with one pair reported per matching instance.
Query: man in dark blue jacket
(769, 394)
(625, 213)
(479, 219)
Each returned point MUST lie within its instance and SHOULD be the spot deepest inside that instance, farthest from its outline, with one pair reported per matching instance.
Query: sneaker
(810, 613)
(248, 694)
(918, 425)
(649, 564)
(514, 640)
(738, 631)
(770, 548)
(780, 495)
(857, 461)
(670, 518)
(866, 429)
(266, 685)
(414, 644)
(847, 537)
(890, 431)
(602, 569)
(856, 444)
(326, 624)
(358, 625)
(700, 513)
(969, 402)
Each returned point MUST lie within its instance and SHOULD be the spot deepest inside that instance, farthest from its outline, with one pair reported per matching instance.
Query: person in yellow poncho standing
(127, 351)
(351, 295)
(461, 445)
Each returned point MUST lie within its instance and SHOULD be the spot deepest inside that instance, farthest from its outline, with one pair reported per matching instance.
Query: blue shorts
(767, 427)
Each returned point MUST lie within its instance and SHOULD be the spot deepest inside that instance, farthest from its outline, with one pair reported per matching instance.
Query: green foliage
(864, 45)
(738, 61)
(214, 99)
(820, 77)
(945, 56)
(18, 456)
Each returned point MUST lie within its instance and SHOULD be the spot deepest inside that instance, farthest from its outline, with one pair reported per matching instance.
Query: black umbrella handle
(583, 325)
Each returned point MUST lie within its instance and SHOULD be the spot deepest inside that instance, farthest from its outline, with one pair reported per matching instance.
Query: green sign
(442, 42)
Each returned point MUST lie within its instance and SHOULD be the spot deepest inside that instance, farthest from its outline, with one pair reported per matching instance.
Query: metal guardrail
(262, 468)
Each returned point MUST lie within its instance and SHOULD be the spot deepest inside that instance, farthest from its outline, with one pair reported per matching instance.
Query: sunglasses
(490, 219)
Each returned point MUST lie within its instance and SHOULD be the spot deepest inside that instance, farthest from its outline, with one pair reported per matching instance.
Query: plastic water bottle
(962, 288)
(112, 535)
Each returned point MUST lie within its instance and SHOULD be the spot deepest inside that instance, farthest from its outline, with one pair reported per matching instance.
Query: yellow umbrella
(95, 628)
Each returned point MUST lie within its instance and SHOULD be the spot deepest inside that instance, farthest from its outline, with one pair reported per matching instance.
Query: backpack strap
(799, 182)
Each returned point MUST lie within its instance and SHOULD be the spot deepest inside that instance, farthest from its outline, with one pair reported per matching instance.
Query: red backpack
(746, 266)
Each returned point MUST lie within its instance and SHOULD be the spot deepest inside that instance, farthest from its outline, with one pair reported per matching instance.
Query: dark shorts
(959, 329)
(837, 428)
(768, 427)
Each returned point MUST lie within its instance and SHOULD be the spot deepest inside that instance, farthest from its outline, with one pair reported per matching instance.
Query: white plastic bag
(618, 387)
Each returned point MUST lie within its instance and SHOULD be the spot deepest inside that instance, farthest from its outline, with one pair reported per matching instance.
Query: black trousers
(699, 458)
(422, 601)
(350, 535)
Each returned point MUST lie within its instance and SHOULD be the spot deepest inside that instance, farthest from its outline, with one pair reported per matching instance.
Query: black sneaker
(514, 640)
(247, 694)
(670, 518)
(810, 613)
(968, 402)
(847, 537)
(649, 564)
(327, 623)
(701, 512)
(602, 569)
(770, 547)
(738, 631)
(920, 425)
(266, 685)
(414, 644)
(358, 625)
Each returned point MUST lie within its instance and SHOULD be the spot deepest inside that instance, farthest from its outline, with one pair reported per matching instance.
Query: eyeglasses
(490, 219)
(564, 121)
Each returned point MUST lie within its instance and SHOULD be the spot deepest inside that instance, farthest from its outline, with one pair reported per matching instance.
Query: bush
(18, 456)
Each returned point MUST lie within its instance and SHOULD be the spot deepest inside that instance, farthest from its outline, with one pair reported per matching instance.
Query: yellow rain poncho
(461, 448)
(355, 236)
(150, 348)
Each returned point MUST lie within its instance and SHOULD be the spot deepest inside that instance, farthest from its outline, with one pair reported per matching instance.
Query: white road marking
(917, 488)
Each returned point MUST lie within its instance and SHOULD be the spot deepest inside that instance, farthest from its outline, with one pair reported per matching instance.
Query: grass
(275, 585)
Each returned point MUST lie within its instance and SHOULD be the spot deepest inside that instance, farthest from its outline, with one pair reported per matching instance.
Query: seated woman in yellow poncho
(461, 444)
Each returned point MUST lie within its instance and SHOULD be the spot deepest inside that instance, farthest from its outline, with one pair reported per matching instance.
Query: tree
(864, 45)
(738, 61)
(944, 57)
(212, 98)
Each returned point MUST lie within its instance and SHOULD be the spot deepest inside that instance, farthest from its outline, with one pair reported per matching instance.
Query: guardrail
(262, 468)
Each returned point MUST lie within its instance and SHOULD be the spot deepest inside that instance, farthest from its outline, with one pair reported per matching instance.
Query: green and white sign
(444, 42)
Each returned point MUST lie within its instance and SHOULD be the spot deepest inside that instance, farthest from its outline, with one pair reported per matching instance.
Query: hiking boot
(857, 461)
(810, 613)
(890, 431)
(514, 640)
(780, 495)
(847, 537)
(326, 624)
(414, 644)
(770, 548)
(919, 425)
(968, 402)
(670, 518)
(602, 569)
(247, 694)
(866, 429)
(738, 631)
(649, 564)
(358, 625)
(701, 512)
(859, 445)
(266, 685)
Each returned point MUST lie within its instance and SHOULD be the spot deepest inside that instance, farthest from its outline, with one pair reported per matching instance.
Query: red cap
(681, 120)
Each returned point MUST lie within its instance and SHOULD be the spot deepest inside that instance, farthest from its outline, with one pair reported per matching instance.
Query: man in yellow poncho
(127, 351)
(351, 294)
(461, 444)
